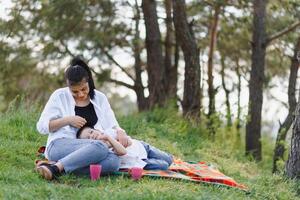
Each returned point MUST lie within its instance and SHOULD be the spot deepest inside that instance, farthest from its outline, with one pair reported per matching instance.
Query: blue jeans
(76, 155)
(156, 159)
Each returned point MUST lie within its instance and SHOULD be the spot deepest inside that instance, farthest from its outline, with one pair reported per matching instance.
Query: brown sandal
(48, 171)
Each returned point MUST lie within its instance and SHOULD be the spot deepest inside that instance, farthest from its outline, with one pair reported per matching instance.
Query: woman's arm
(109, 122)
(75, 121)
(53, 116)
(122, 137)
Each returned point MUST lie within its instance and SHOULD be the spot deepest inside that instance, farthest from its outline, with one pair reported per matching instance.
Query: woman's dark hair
(77, 71)
(78, 134)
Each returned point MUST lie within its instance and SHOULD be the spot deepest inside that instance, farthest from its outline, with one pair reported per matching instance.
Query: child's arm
(118, 148)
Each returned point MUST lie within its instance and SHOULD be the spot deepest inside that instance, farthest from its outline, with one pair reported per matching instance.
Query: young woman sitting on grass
(138, 154)
(69, 109)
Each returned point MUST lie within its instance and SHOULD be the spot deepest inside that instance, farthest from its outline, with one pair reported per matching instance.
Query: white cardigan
(61, 104)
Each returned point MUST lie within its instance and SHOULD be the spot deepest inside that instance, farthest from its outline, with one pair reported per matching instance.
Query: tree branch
(66, 48)
(14, 22)
(110, 57)
(116, 81)
(121, 83)
(282, 32)
(279, 101)
(114, 61)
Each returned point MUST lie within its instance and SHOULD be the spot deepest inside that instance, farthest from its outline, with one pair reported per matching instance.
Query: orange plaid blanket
(190, 171)
(193, 171)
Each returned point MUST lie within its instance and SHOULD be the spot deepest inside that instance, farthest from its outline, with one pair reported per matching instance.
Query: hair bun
(78, 61)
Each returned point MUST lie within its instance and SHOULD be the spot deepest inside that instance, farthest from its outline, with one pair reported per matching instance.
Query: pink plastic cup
(95, 171)
(136, 173)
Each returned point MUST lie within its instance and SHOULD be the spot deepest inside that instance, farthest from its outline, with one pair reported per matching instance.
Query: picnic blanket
(191, 171)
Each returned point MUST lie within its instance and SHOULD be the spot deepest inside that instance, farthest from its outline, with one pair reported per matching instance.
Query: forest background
(222, 64)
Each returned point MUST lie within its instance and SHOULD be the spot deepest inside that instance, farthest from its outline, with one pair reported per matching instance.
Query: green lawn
(19, 141)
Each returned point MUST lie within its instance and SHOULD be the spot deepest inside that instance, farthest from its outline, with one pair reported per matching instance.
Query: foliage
(38, 37)
(36, 41)
(280, 51)
(20, 77)
(44, 34)
(162, 128)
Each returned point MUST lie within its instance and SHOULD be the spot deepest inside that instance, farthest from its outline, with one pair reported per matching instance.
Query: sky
(4, 4)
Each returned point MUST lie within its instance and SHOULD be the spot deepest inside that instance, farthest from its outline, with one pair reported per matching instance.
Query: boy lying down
(138, 154)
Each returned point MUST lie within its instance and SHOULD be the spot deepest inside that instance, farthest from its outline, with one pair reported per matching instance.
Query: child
(138, 154)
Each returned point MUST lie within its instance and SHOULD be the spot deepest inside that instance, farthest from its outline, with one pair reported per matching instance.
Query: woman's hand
(76, 121)
(123, 138)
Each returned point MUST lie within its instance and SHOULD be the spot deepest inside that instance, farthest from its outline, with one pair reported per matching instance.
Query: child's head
(84, 133)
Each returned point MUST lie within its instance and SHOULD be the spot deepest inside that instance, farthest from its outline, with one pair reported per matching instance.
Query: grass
(165, 129)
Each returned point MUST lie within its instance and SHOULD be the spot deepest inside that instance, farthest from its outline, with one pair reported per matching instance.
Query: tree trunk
(239, 88)
(191, 95)
(155, 66)
(176, 54)
(283, 129)
(171, 70)
(253, 126)
(292, 168)
(212, 44)
(142, 101)
(228, 108)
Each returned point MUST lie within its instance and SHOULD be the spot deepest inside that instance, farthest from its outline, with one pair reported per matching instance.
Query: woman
(70, 109)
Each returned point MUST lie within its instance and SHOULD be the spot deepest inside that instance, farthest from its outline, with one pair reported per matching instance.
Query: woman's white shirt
(62, 104)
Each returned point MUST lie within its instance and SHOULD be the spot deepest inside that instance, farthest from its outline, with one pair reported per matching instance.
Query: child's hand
(98, 135)
(102, 137)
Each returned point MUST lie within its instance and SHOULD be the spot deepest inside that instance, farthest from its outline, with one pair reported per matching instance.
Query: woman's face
(80, 92)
